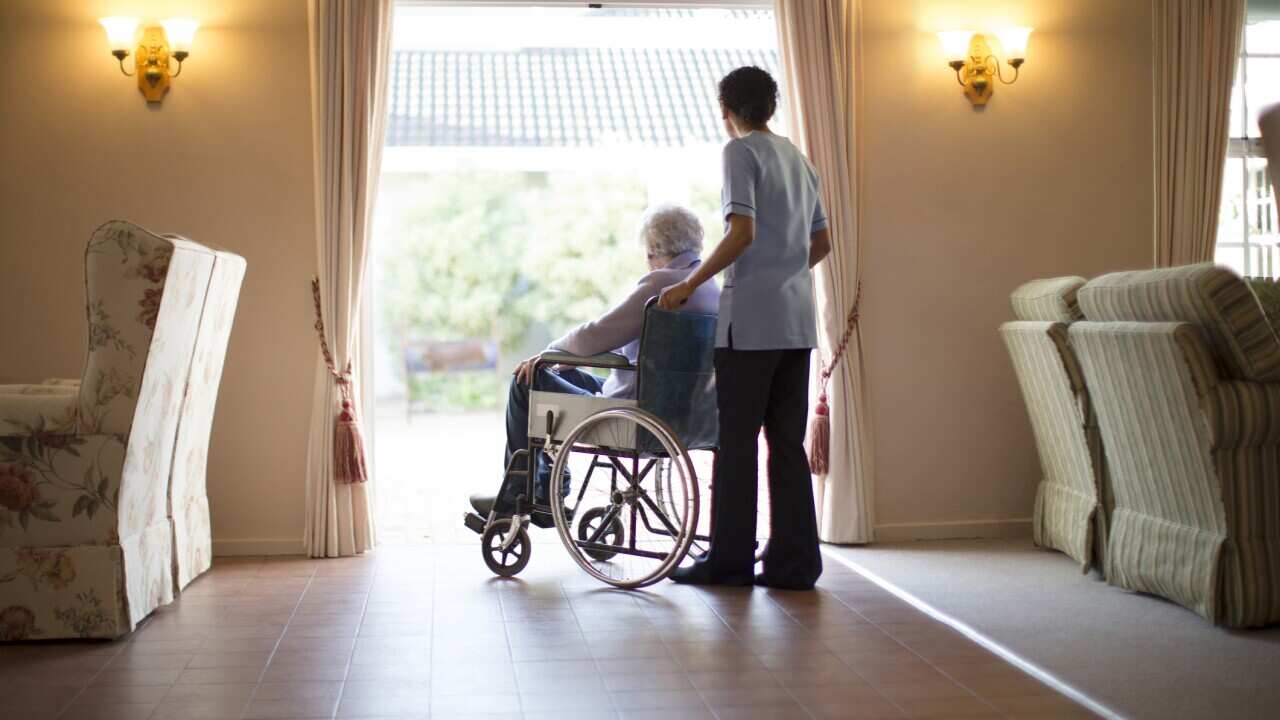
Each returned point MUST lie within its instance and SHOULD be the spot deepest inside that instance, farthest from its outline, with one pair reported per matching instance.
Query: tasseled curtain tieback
(349, 464)
(820, 428)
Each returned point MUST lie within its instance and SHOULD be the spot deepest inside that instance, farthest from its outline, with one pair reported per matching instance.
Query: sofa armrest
(1243, 414)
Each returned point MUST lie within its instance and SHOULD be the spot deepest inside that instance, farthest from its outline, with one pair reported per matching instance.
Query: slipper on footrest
(483, 504)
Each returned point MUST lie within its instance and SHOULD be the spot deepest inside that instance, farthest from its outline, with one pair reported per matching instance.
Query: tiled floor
(418, 632)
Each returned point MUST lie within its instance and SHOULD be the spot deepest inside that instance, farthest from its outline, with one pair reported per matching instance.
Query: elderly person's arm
(618, 326)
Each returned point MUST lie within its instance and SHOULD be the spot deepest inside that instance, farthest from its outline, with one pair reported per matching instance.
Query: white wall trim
(264, 546)
(953, 530)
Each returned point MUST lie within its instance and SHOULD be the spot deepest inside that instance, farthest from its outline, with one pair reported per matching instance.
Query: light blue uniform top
(767, 299)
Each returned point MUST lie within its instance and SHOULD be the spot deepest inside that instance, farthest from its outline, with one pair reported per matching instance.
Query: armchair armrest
(1243, 414)
(31, 409)
(39, 390)
(608, 361)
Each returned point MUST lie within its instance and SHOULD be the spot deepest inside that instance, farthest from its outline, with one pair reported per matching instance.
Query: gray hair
(668, 230)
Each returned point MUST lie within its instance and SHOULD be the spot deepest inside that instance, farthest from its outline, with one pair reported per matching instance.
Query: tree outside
(516, 258)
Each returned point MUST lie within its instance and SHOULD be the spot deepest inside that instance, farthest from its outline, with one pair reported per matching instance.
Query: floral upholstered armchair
(87, 543)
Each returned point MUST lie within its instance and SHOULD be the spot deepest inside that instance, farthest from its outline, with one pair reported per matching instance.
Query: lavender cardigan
(618, 329)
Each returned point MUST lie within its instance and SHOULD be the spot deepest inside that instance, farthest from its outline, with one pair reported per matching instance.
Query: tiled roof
(539, 97)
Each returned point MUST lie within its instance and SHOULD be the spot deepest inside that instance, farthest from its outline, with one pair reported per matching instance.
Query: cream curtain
(350, 54)
(817, 38)
(1196, 44)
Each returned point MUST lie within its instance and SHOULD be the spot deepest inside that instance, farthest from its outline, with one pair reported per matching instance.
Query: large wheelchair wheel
(702, 540)
(655, 535)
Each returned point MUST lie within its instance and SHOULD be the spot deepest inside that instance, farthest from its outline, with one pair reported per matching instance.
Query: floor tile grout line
(853, 670)
(595, 661)
(89, 683)
(275, 648)
(435, 590)
(768, 669)
(913, 651)
(132, 635)
(346, 671)
(971, 633)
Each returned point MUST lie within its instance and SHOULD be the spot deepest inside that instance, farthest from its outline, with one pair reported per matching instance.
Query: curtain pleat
(1196, 46)
(818, 43)
(350, 55)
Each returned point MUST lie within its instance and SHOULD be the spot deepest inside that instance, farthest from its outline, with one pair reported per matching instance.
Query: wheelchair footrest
(474, 522)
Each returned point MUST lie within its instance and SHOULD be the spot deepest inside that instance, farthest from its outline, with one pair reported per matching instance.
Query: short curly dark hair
(750, 93)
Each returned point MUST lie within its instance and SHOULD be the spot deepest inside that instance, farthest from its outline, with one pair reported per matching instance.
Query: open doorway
(523, 145)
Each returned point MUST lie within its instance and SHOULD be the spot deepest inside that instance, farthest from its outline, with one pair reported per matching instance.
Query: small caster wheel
(509, 562)
(612, 535)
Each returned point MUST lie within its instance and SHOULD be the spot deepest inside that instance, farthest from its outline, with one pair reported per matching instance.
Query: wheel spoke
(597, 537)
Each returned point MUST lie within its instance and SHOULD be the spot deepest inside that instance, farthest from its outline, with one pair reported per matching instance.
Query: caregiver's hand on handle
(741, 233)
(673, 296)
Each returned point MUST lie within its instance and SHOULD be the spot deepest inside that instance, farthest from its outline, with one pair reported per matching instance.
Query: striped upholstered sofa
(1070, 513)
(1184, 372)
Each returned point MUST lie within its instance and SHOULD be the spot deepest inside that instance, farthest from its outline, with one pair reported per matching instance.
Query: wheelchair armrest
(608, 361)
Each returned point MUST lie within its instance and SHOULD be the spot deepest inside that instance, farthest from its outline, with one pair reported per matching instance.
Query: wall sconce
(969, 54)
(171, 39)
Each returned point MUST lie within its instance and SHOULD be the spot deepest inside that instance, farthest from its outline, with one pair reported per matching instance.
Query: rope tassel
(349, 464)
(348, 447)
(820, 426)
(820, 437)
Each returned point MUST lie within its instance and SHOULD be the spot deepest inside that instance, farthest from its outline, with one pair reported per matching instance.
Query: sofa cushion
(1212, 298)
(1048, 300)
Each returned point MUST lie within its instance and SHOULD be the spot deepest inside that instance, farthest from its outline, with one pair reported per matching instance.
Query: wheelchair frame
(504, 537)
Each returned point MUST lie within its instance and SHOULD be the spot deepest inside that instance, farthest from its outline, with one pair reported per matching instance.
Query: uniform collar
(684, 260)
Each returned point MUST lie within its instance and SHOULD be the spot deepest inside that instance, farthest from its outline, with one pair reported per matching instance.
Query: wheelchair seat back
(676, 378)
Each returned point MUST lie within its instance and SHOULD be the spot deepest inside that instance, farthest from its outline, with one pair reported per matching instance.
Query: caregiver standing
(775, 231)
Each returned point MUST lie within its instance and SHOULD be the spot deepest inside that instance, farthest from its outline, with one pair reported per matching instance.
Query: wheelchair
(634, 514)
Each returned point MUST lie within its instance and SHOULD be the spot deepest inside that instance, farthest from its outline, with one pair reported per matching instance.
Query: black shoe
(483, 504)
(700, 573)
(763, 581)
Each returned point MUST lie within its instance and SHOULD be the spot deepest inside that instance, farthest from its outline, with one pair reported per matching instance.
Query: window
(1248, 224)
(523, 144)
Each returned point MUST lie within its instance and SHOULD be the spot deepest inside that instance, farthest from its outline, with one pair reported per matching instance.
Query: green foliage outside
(518, 258)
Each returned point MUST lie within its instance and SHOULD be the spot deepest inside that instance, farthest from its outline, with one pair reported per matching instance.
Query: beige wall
(959, 207)
(225, 160)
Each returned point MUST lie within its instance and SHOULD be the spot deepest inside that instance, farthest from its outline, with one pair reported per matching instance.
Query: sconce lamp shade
(120, 32)
(180, 31)
(955, 43)
(1014, 41)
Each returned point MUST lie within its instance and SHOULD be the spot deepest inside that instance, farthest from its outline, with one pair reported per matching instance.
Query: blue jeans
(570, 382)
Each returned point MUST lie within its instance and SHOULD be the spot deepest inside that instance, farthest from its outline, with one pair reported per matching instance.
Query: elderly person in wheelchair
(671, 237)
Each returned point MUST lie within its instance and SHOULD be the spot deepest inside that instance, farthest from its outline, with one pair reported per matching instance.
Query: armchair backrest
(145, 297)
(1213, 299)
(1048, 300)
(1062, 419)
(188, 499)
(676, 376)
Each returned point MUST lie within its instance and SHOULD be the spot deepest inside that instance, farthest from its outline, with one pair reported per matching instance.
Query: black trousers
(768, 388)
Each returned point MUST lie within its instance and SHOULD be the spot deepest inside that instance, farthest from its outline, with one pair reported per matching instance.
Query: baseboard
(240, 548)
(954, 530)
